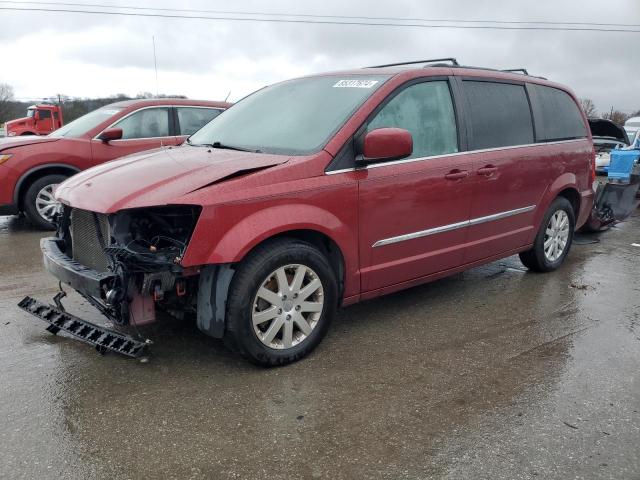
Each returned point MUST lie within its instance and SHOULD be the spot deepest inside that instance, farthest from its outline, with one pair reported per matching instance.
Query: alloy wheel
(287, 306)
(46, 204)
(556, 236)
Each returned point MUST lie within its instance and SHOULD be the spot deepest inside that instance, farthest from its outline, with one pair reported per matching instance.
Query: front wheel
(39, 204)
(553, 241)
(282, 299)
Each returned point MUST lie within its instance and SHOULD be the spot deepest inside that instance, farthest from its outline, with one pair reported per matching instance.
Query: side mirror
(383, 144)
(36, 115)
(110, 134)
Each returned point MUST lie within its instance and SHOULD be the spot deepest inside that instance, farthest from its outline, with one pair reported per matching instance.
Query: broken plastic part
(614, 202)
(102, 338)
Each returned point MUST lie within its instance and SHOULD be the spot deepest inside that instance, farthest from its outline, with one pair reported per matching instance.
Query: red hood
(156, 177)
(10, 142)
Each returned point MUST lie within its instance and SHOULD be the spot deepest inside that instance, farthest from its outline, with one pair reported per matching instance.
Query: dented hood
(157, 177)
(21, 141)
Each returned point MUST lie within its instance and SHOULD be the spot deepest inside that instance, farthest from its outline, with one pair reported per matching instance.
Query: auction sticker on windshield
(355, 83)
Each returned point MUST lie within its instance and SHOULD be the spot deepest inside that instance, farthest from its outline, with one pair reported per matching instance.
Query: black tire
(249, 277)
(536, 259)
(30, 197)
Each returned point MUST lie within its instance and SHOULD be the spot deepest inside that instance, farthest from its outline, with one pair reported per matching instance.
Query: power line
(322, 22)
(304, 15)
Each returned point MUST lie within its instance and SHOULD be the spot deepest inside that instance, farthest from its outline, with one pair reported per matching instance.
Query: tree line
(615, 116)
(72, 107)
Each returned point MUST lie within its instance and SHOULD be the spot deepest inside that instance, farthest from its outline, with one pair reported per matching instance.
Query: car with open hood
(324, 191)
(607, 136)
(31, 167)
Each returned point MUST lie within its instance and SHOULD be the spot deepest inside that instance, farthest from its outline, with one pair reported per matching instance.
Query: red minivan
(324, 191)
(31, 167)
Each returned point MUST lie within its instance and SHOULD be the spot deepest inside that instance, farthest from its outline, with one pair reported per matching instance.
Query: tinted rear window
(499, 113)
(557, 115)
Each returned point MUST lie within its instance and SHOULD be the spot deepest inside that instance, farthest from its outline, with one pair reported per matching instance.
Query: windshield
(293, 118)
(632, 124)
(82, 125)
(31, 112)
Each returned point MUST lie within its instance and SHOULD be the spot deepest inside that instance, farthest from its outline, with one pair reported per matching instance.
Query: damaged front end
(614, 201)
(126, 263)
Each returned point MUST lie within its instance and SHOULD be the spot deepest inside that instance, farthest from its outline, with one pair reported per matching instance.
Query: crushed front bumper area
(67, 270)
(102, 338)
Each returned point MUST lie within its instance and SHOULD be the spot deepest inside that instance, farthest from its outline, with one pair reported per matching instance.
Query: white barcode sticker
(355, 83)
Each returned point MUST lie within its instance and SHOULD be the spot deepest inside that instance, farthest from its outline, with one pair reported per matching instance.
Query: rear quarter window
(499, 114)
(556, 115)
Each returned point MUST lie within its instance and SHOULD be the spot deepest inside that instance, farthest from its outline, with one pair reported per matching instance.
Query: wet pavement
(493, 373)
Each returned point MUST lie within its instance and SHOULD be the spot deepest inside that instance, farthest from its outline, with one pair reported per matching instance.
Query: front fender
(261, 225)
(225, 234)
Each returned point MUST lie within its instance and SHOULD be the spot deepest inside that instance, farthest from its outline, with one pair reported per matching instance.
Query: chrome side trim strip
(501, 215)
(453, 226)
(422, 233)
(454, 154)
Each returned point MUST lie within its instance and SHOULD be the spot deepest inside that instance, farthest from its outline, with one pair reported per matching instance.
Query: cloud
(86, 55)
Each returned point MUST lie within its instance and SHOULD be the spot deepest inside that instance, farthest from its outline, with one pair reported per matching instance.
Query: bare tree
(589, 107)
(6, 97)
(616, 116)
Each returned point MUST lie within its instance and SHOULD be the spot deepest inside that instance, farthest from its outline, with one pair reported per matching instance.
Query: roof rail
(453, 61)
(516, 70)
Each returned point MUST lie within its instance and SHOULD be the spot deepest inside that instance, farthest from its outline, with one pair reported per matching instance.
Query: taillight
(593, 167)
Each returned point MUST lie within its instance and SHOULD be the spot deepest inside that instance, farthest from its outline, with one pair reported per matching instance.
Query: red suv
(325, 191)
(31, 167)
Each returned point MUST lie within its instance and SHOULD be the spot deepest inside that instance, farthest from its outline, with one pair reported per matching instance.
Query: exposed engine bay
(141, 249)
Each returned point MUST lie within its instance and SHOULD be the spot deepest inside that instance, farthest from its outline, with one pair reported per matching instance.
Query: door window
(499, 113)
(146, 123)
(557, 115)
(426, 110)
(193, 119)
(44, 114)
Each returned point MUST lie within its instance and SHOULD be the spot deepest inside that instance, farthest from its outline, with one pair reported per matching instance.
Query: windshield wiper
(232, 147)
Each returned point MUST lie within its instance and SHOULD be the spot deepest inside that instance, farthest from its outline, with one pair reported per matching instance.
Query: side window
(145, 123)
(44, 114)
(193, 119)
(426, 110)
(499, 114)
(557, 115)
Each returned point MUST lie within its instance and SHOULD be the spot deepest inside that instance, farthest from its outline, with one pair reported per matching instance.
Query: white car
(632, 126)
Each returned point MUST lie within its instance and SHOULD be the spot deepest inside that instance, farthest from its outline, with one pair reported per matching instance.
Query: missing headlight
(148, 238)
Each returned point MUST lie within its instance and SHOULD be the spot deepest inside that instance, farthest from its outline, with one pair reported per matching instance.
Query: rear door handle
(456, 174)
(487, 170)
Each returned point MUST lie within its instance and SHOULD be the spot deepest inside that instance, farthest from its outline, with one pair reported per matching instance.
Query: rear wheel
(39, 204)
(282, 299)
(553, 241)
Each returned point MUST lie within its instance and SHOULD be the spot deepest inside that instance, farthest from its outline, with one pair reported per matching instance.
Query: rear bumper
(67, 270)
(9, 209)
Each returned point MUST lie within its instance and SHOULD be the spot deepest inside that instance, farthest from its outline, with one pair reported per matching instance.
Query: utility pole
(155, 63)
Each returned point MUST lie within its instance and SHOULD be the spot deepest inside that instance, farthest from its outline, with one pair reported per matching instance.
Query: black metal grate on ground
(102, 338)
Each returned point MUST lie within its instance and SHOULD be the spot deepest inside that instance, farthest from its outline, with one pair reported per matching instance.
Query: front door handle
(487, 170)
(456, 174)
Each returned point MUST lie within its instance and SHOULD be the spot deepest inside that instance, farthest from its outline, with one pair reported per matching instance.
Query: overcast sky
(44, 54)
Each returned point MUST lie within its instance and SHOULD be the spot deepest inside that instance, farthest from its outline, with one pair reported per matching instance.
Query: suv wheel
(39, 204)
(553, 241)
(282, 299)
